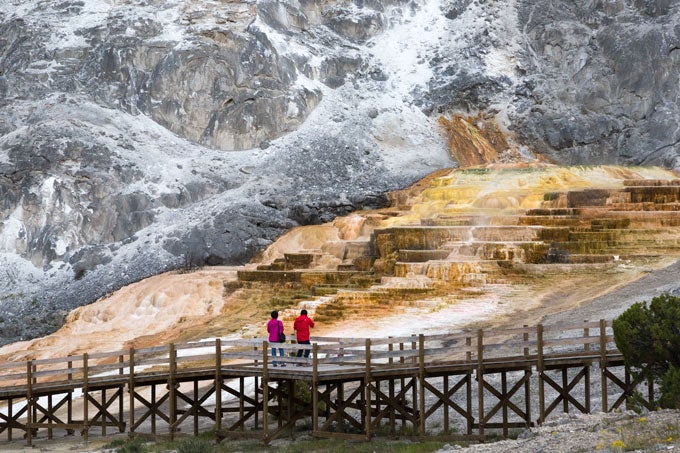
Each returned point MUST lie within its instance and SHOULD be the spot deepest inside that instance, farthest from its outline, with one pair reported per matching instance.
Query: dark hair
(303, 312)
(275, 314)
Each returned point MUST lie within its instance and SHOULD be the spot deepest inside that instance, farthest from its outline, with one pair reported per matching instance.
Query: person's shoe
(275, 365)
(283, 364)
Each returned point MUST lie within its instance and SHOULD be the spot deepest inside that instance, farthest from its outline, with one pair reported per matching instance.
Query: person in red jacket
(302, 325)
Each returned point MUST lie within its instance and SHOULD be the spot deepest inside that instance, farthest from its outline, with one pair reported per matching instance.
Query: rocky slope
(138, 136)
(606, 432)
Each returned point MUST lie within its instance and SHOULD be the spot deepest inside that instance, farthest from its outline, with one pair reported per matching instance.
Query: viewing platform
(448, 386)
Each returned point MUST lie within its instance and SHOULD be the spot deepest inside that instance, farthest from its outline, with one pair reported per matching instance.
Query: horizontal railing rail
(538, 343)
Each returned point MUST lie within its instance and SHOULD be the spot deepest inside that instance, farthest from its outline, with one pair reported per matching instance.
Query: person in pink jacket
(302, 325)
(275, 329)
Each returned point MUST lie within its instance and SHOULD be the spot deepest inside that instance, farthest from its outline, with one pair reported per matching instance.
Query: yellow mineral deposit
(491, 245)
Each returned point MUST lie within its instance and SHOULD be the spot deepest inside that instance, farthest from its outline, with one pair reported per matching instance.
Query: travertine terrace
(464, 232)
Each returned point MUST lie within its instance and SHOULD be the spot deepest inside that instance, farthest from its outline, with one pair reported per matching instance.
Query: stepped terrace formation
(481, 245)
(464, 232)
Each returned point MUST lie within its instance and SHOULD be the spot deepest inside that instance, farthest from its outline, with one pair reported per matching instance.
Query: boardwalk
(457, 386)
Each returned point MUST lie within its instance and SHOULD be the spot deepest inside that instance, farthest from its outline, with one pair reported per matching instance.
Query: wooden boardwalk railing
(460, 384)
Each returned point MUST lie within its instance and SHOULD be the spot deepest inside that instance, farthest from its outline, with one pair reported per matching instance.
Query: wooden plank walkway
(450, 386)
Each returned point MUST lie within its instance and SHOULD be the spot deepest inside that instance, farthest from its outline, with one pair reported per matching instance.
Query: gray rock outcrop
(604, 80)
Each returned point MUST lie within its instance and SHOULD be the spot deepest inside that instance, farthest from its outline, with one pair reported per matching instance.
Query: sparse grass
(130, 445)
(377, 446)
(638, 434)
(195, 445)
(205, 443)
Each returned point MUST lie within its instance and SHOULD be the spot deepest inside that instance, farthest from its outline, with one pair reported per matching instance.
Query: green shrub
(195, 445)
(131, 445)
(670, 388)
(649, 339)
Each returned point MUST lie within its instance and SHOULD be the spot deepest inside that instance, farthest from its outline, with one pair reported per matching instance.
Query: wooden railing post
(367, 389)
(421, 378)
(103, 417)
(121, 393)
(86, 397)
(172, 354)
(291, 408)
(414, 345)
(265, 392)
(414, 390)
(131, 390)
(29, 403)
(241, 402)
(401, 356)
(256, 384)
(218, 385)
(69, 403)
(34, 381)
(586, 348)
(69, 365)
(468, 384)
(255, 350)
(539, 370)
(315, 387)
(341, 353)
(480, 381)
(10, 415)
(527, 374)
(603, 364)
(390, 348)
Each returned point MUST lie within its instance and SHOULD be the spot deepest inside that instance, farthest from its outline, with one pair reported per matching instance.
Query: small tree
(649, 339)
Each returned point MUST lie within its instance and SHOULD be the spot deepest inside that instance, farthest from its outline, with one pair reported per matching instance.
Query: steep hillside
(141, 136)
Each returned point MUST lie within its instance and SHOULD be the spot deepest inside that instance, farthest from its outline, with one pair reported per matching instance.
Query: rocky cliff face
(603, 77)
(141, 135)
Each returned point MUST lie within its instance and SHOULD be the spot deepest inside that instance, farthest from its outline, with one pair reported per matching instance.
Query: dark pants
(299, 353)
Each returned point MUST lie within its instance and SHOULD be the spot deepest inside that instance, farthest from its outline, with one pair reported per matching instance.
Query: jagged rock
(603, 72)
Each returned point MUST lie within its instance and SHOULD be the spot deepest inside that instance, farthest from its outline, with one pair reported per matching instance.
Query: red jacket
(302, 325)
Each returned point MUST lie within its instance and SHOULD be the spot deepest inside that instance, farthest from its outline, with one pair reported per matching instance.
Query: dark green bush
(649, 339)
(670, 388)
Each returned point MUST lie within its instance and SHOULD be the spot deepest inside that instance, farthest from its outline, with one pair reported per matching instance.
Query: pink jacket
(274, 327)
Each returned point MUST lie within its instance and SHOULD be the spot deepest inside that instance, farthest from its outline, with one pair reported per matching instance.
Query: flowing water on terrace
(481, 246)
